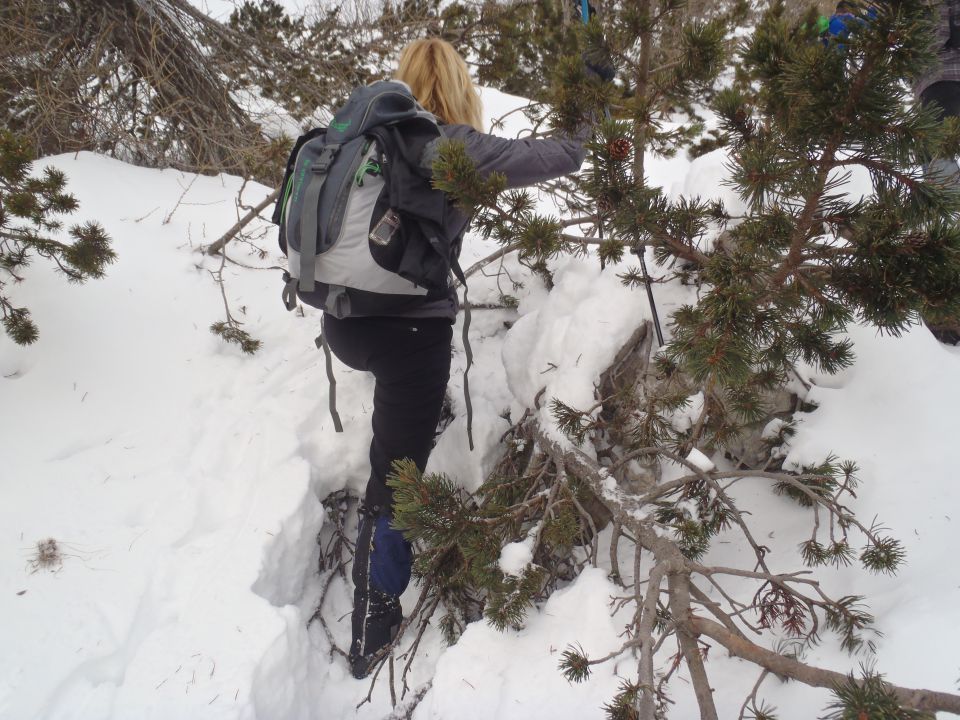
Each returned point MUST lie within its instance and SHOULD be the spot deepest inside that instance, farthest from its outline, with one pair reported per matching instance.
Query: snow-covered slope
(182, 482)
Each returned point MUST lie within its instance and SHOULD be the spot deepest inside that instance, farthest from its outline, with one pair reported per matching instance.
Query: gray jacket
(523, 162)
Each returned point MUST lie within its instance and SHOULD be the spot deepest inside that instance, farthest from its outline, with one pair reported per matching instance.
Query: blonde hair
(439, 79)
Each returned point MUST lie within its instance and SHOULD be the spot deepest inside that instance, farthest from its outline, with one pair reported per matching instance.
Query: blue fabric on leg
(390, 560)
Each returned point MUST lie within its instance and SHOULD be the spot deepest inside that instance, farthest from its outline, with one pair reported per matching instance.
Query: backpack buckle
(323, 163)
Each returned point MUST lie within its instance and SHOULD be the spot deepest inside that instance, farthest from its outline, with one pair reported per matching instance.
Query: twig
(505, 250)
(614, 553)
(387, 650)
(217, 246)
(752, 697)
(169, 216)
(411, 652)
(318, 613)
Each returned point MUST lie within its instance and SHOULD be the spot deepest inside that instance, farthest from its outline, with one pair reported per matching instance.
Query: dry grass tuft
(47, 555)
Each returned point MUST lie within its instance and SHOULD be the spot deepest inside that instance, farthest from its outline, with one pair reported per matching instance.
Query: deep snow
(182, 480)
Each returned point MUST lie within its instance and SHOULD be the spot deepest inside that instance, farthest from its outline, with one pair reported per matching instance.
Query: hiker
(409, 352)
(941, 85)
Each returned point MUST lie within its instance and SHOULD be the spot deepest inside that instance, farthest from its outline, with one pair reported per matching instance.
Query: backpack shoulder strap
(310, 222)
(277, 216)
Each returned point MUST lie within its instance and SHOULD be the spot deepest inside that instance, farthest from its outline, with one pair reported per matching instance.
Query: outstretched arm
(523, 162)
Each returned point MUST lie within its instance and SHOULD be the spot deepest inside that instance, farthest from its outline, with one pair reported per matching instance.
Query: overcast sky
(221, 9)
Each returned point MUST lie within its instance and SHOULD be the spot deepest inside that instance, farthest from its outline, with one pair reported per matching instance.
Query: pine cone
(619, 148)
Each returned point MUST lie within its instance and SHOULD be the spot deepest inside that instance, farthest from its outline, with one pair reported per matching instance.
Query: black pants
(946, 95)
(410, 360)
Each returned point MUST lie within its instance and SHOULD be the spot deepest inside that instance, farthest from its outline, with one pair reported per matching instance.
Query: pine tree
(29, 207)
(778, 286)
(782, 282)
(305, 65)
(515, 45)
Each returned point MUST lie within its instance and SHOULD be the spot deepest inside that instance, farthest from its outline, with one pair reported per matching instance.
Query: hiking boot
(379, 621)
(381, 571)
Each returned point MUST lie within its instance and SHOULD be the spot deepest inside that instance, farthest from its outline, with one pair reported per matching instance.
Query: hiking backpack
(362, 228)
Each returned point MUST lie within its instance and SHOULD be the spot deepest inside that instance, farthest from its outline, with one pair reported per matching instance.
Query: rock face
(751, 450)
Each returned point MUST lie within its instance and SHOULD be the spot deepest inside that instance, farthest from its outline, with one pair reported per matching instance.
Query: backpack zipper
(286, 197)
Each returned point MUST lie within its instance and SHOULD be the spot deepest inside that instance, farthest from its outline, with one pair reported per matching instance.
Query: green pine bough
(30, 207)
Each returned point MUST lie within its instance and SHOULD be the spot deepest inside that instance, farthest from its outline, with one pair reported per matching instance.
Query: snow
(699, 460)
(183, 481)
(896, 415)
(566, 338)
(516, 556)
(772, 428)
(685, 417)
(221, 9)
(489, 674)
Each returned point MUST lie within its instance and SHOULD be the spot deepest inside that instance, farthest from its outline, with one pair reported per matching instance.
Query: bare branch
(916, 699)
(217, 246)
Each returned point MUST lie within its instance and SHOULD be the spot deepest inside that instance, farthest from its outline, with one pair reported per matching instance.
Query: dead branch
(477, 266)
(916, 699)
(689, 625)
(645, 632)
(215, 247)
(679, 584)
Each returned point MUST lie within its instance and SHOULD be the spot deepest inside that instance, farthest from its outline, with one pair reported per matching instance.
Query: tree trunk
(152, 39)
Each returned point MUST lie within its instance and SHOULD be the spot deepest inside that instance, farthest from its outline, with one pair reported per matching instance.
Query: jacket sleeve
(523, 162)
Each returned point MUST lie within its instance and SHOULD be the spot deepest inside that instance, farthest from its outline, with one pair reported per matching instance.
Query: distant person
(846, 17)
(941, 86)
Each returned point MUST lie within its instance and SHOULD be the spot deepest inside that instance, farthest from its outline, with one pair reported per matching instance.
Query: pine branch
(645, 635)
(826, 163)
(677, 566)
(679, 587)
(916, 699)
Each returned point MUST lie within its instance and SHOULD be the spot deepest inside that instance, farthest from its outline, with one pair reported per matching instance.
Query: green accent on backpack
(371, 167)
(298, 182)
(286, 197)
(340, 126)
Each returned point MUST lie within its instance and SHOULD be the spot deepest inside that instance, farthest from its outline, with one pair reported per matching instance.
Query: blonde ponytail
(439, 79)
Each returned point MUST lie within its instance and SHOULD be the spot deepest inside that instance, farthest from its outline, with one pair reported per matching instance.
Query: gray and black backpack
(362, 228)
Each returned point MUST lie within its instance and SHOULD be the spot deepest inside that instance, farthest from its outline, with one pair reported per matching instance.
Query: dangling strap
(321, 342)
(289, 294)
(309, 223)
(458, 272)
